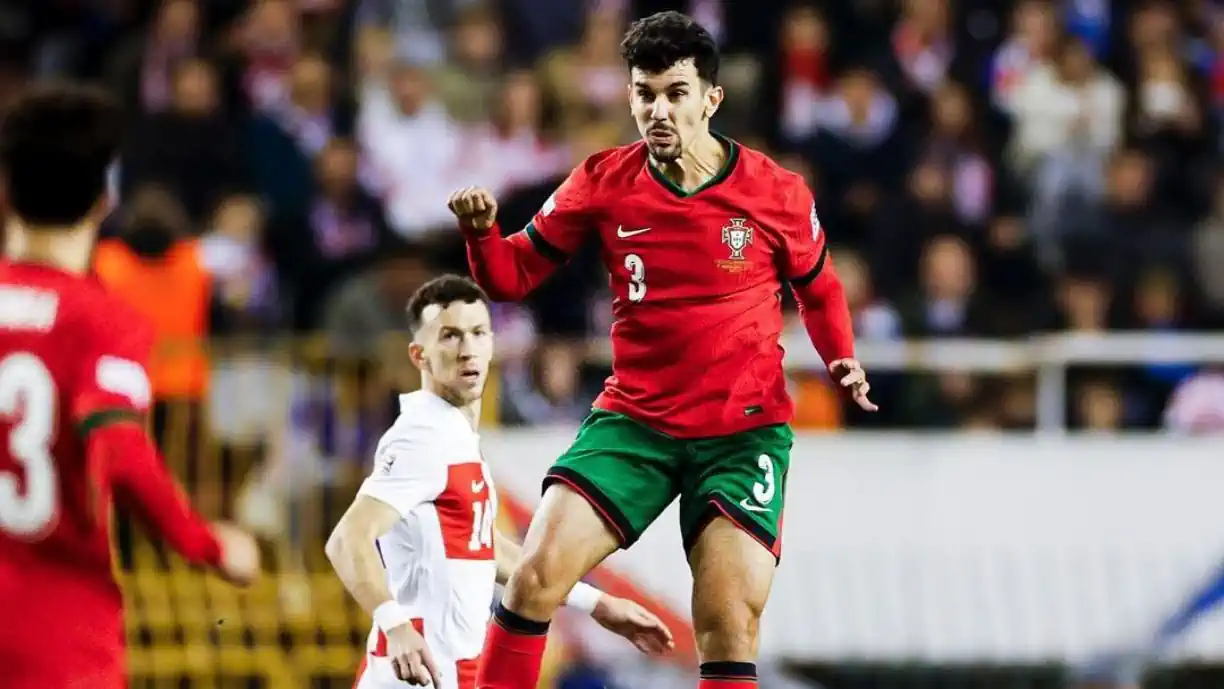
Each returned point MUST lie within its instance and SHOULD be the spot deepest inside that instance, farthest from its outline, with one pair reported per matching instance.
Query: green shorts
(630, 473)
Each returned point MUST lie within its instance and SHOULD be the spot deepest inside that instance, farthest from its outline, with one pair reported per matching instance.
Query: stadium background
(1012, 183)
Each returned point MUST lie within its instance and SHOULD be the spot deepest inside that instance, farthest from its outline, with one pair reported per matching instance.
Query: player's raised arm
(805, 263)
(509, 268)
(403, 479)
(109, 411)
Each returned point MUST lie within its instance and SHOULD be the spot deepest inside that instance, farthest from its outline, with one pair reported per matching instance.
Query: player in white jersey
(417, 548)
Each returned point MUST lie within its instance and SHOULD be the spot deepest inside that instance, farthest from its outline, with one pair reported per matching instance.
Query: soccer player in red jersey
(73, 397)
(700, 235)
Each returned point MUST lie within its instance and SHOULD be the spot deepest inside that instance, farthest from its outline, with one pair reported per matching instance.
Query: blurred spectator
(1013, 277)
(1134, 228)
(369, 306)
(901, 227)
(1084, 303)
(415, 152)
(245, 285)
(874, 318)
(1197, 404)
(1068, 104)
(511, 146)
(547, 388)
(142, 68)
(158, 269)
(922, 49)
(373, 56)
(588, 81)
(468, 83)
(1068, 122)
(856, 151)
(337, 234)
(1030, 45)
(191, 147)
(955, 147)
(1017, 402)
(267, 41)
(806, 76)
(1159, 307)
(1165, 105)
(285, 140)
(1208, 256)
(949, 303)
(1099, 406)
(417, 27)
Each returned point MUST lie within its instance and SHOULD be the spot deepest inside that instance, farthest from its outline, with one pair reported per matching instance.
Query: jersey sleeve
(803, 250)
(408, 470)
(561, 225)
(113, 384)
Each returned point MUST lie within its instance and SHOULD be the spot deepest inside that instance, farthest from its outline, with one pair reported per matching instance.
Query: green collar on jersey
(728, 166)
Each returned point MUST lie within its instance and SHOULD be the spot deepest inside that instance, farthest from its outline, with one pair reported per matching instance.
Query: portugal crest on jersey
(737, 236)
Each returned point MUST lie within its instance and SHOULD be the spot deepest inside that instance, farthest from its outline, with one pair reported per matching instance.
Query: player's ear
(713, 99)
(417, 354)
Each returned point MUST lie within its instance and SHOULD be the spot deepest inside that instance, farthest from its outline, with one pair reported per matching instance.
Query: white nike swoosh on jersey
(477, 486)
(752, 507)
(625, 234)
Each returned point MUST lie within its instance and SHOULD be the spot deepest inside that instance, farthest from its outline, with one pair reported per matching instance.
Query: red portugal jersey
(70, 357)
(697, 279)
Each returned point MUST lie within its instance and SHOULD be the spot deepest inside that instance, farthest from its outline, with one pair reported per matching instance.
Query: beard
(666, 151)
(665, 154)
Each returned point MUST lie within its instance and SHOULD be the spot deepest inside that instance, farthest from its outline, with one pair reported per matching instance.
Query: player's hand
(637, 624)
(474, 206)
(239, 554)
(411, 658)
(849, 374)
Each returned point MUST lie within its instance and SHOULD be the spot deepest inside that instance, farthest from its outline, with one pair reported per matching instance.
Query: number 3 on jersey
(27, 398)
(637, 277)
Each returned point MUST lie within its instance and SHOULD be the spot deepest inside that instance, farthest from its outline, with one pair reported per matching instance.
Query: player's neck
(697, 165)
(470, 410)
(69, 249)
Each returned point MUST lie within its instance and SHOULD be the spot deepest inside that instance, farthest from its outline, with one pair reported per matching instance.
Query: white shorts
(376, 672)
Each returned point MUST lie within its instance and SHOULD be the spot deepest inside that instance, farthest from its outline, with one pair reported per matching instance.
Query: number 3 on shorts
(762, 491)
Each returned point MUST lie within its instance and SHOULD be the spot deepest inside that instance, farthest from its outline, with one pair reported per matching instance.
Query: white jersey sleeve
(410, 469)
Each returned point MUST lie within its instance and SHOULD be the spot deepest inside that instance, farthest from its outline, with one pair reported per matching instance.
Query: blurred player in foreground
(417, 548)
(73, 399)
(700, 236)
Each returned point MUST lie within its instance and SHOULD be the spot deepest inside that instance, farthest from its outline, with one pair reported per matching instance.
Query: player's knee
(727, 630)
(540, 583)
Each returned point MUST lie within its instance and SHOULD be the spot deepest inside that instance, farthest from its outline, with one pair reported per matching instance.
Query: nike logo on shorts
(752, 506)
(477, 486)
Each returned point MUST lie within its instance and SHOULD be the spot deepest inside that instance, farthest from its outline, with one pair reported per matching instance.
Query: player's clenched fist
(474, 207)
(410, 657)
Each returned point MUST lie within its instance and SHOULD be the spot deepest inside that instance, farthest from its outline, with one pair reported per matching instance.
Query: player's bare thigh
(567, 538)
(732, 575)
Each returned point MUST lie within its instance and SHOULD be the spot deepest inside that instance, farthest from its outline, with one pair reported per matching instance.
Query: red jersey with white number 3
(697, 279)
(71, 357)
(439, 557)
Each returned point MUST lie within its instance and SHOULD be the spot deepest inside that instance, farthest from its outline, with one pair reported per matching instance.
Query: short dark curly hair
(57, 143)
(655, 43)
(443, 291)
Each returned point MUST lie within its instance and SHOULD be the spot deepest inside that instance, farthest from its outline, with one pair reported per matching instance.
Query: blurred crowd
(991, 169)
